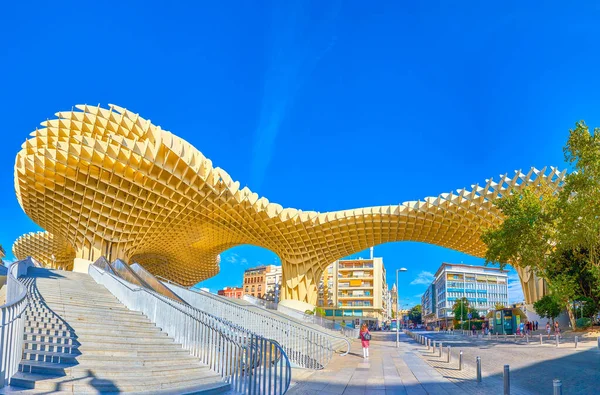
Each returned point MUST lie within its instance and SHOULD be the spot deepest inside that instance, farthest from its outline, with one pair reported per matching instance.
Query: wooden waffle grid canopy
(108, 182)
(54, 251)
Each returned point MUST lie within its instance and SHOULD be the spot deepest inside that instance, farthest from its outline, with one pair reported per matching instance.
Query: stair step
(53, 339)
(49, 356)
(152, 341)
(72, 369)
(86, 310)
(80, 317)
(85, 383)
(97, 326)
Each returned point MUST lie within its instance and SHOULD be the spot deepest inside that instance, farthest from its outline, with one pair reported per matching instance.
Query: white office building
(484, 287)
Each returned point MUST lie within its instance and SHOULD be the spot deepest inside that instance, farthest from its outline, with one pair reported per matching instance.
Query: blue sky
(315, 105)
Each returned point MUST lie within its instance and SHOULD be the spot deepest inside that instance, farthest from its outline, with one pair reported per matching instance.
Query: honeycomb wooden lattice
(107, 182)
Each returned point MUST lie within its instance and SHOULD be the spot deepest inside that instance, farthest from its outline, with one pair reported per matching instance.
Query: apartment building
(355, 290)
(483, 286)
(273, 279)
(232, 292)
(263, 281)
(428, 305)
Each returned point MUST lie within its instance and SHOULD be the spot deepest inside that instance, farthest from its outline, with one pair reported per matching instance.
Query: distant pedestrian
(365, 338)
(536, 325)
(556, 329)
(521, 329)
(548, 329)
(474, 330)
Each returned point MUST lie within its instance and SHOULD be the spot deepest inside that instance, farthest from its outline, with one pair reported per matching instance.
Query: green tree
(586, 307)
(548, 307)
(461, 310)
(415, 314)
(556, 235)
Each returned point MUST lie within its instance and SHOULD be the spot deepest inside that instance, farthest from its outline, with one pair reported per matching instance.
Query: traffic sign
(470, 315)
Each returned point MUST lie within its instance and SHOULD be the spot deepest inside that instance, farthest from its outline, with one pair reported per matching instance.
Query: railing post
(448, 359)
(460, 355)
(541, 339)
(506, 380)
(557, 387)
(440, 350)
(557, 340)
(576, 341)
(478, 363)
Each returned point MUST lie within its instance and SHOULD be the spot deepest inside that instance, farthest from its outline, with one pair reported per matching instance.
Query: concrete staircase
(80, 339)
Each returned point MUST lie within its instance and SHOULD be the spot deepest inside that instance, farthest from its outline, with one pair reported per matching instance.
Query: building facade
(232, 292)
(355, 290)
(263, 282)
(428, 305)
(484, 288)
(273, 279)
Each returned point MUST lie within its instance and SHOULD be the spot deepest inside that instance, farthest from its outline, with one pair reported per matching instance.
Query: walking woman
(365, 337)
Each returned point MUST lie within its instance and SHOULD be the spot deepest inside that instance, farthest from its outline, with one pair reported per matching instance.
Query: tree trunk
(571, 315)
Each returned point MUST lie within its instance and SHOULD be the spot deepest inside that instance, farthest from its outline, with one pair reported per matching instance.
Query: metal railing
(12, 321)
(306, 346)
(267, 304)
(251, 364)
(346, 330)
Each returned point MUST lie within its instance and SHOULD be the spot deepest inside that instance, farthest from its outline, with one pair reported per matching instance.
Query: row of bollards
(433, 344)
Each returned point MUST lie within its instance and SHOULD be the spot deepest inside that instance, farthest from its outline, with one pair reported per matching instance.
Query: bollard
(478, 361)
(505, 337)
(441, 346)
(557, 385)
(598, 342)
(506, 380)
(448, 357)
(541, 340)
(557, 341)
(515, 337)
(527, 338)
(576, 341)
(496, 335)
(428, 342)
(460, 361)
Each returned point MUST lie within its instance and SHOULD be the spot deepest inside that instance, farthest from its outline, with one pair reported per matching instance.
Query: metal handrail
(258, 308)
(306, 346)
(12, 323)
(250, 363)
(267, 304)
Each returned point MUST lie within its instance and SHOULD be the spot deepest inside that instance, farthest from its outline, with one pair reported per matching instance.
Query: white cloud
(233, 258)
(515, 292)
(423, 278)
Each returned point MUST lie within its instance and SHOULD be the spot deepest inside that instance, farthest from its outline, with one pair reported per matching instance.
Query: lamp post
(402, 269)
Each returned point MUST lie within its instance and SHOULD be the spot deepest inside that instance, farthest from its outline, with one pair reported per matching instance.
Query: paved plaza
(412, 369)
(387, 371)
(533, 366)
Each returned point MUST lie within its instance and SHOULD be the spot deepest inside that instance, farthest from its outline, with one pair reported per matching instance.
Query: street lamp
(402, 269)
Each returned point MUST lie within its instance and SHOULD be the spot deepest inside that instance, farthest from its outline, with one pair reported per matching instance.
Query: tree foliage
(557, 236)
(415, 314)
(547, 307)
(461, 310)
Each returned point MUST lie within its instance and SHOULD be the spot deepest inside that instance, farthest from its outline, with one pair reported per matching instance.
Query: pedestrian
(556, 329)
(521, 329)
(548, 329)
(536, 325)
(365, 338)
(474, 330)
